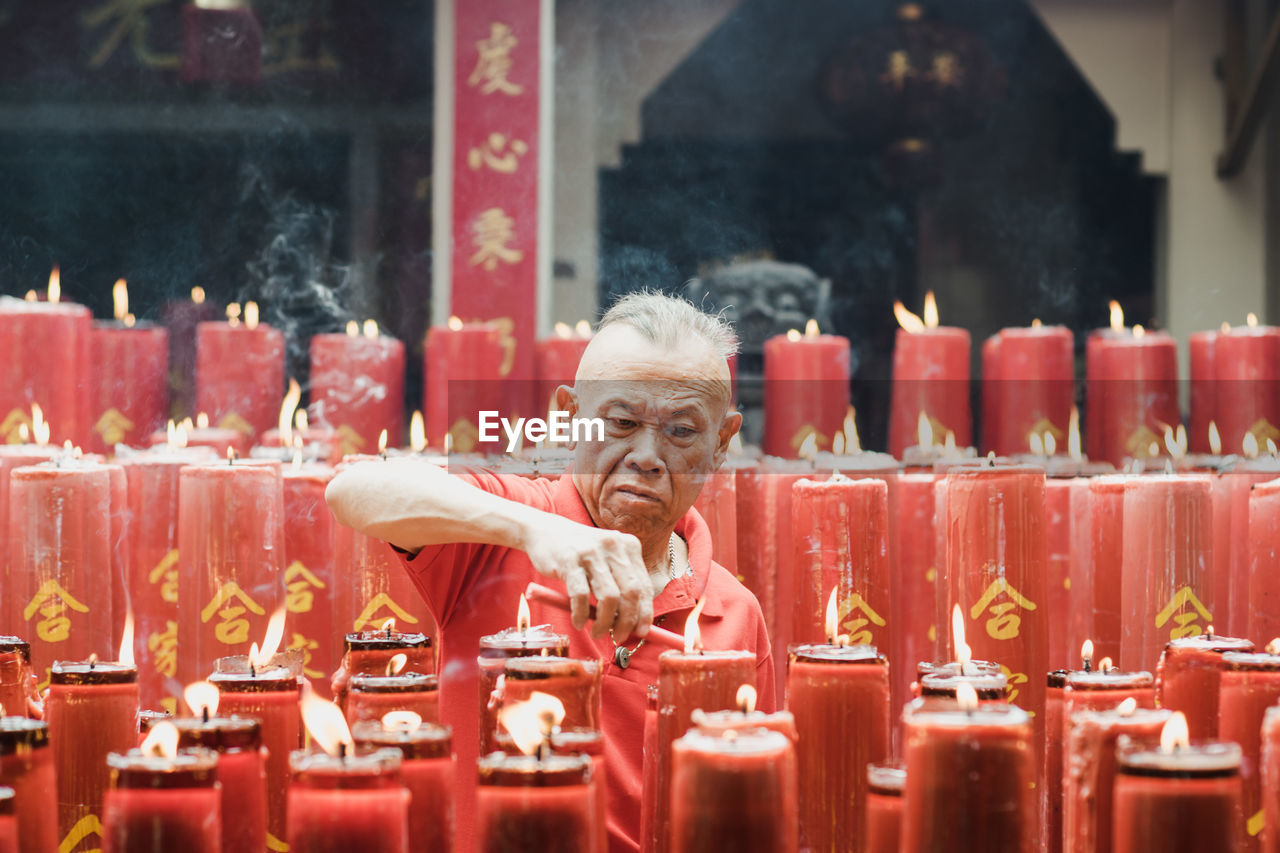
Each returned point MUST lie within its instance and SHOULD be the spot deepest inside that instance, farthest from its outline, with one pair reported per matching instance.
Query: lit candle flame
(325, 722)
(523, 620)
(1050, 444)
(1117, 316)
(1174, 735)
(924, 431)
(197, 295)
(353, 329)
(1225, 328)
(270, 642)
(1215, 439)
(126, 640)
(370, 329)
(388, 626)
(930, 310)
(233, 314)
(1127, 707)
(1106, 665)
(966, 697)
(161, 741)
(692, 633)
(202, 698)
(746, 699)
(202, 420)
(54, 293)
(909, 322)
(1138, 330)
(949, 443)
(1035, 323)
(284, 423)
(120, 299)
(809, 447)
(455, 323)
(397, 663)
(837, 444)
(852, 444)
(582, 328)
(1273, 647)
(251, 315)
(1251, 319)
(300, 422)
(1036, 443)
(811, 328)
(417, 433)
(563, 331)
(30, 296)
(1086, 654)
(963, 653)
(794, 335)
(532, 722)
(40, 428)
(833, 617)
(24, 433)
(1271, 447)
(382, 442)
(1249, 446)
(400, 720)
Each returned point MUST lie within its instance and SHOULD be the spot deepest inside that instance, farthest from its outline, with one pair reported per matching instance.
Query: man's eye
(683, 432)
(623, 423)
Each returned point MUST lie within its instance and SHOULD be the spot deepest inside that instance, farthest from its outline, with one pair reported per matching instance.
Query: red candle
(14, 456)
(688, 681)
(34, 370)
(427, 769)
(1054, 723)
(970, 779)
(1204, 382)
(464, 365)
(181, 316)
(1138, 395)
(242, 801)
(129, 385)
(914, 605)
(1177, 799)
(8, 821)
(556, 362)
(806, 390)
(840, 698)
(578, 741)
(733, 791)
(1104, 689)
(220, 45)
(162, 803)
(60, 548)
(271, 696)
(884, 806)
(342, 803)
(17, 685)
(1270, 770)
(240, 373)
(374, 587)
(230, 551)
(1036, 385)
(310, 576)
(1232, 490)
(495, 650)
(1189, 677)
(990, 392)
(1264, 552)
(524, 802)
(930, 377)
(1165, 590)
(357, 388)
(1097, 512)
(92, 709)
(219, 439)
(1089, 773)
(26, 765)
(576, 683)
(717, 503)
(1057, 529)
(1247, 367)
(989, 686)
(371, 697)
(1250, 683)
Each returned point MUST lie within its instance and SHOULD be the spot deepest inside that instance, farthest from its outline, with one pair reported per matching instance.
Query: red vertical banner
(495, 187)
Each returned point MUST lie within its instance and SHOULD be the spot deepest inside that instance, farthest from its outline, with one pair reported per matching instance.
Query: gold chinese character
(307, 646)
(498, 153)
(1184, 624)
(166, 570)
(285, 48)
(493, 231)
(112, 426)
(300, 585)
(946, 69)
(493, 62)
(11, 426)
(1263, 429)
(350, 440)
(898, 70)
(163, 646)
(1139, 445)
(131, 22)
(369, 617)
(232, 628)
(855, 615)
(1004, 621)
(233, 421)
(87, 826)
(51, 602)
(1013, 679)
(506, 337)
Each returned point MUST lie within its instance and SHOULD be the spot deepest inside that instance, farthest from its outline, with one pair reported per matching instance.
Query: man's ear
(728, 429)
(566, 400)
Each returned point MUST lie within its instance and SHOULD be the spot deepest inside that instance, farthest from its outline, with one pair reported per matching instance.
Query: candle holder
(495, 651)
(1098, 690)
(27, 766)
(15, 676)
(369, 652)
(525, 802)
(370, 697)
(1185, 798)
(347, 802)
(885, 783)
(428, 770)
(163, 802)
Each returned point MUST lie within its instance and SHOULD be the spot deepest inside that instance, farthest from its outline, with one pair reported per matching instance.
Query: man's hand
(604, 562)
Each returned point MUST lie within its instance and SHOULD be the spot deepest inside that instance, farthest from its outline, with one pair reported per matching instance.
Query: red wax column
(270, 696)
(1247, 367)
(706, 680)
(1097, 516)
(1232, 490)
(806, 391)
(239, 375)
(915, 602)
(588, 742)
(576, 683)
(464, 365)
(346, 803)
(1036, 386)
(970, 779)
(1100, 691)
(230, 545)
(1204, 382)
(986, 679)
(717, 503)
(1166, 589)
(930, 375)
(14, 456)
(44, 359)
(26, 765)
(884, 806)
(92, 709)
(1270, 769)
(990, 392)
(495, 650)
(1057, 536)
(370, 697)
(427, 770)
(374, 586)
(241, 775)
(357, 388)
(60, 548)
(8, 821)
(1138, 396)
(161, 803)
(556, 363)
(17, 686)
(220, 45)
(1250, 683)
(840, 528)
(218, 439)
(1054, 724)
(310, 578)
(839, 696)
(180, 317)
(1189, 678)
(1089, 771)
(369, 652)
(1264, 555)
(129, 384)
(151, 570)
(1184, 799)
(995, 554)
(735, 792)
(527, 803)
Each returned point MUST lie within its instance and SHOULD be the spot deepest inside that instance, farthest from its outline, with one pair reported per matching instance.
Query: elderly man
(619, 530)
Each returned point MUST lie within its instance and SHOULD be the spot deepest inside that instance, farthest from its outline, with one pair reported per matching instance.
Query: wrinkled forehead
(622, 363)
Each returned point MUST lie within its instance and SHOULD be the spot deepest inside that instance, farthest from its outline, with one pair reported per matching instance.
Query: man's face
(667, 427)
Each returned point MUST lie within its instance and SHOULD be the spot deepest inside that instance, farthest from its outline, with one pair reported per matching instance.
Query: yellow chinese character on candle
(1013, 679)
(112, 426)
(371, 618)
(493, 62)
(51, 601)
(232, 628)
(1004, 620)
(307, 645)
(493, 230)
(11, 426)
(855, 615)
(498, 153)
(300, 584)
(163, 646)
(127, 19)
(1184, 624)
(349, 440)
(166, 573)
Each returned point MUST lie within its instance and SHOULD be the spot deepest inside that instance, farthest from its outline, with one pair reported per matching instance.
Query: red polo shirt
(473, 590)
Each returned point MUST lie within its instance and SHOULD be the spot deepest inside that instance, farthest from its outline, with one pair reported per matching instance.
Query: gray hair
(670, 321)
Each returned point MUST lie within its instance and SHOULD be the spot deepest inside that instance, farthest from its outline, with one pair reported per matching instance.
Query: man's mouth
(638, 493)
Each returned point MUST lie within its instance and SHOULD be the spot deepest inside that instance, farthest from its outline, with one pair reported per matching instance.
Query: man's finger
(579, 589)
(606, 591)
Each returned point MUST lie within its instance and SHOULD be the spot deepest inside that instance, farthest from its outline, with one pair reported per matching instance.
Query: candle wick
(342, 751)
(253, 670)
(204, 713)
(1088, 665)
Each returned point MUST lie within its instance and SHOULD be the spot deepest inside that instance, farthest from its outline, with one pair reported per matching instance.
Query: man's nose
(644, 456)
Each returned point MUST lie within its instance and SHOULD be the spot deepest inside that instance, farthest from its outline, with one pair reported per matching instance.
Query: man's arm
(413, 504)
